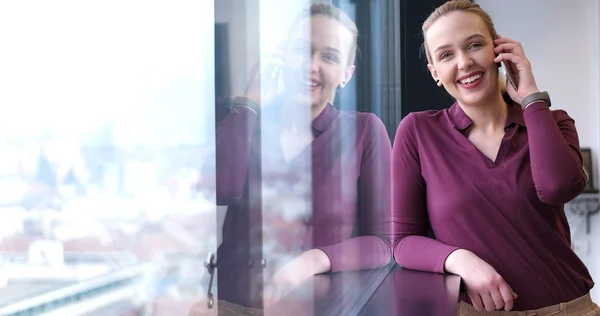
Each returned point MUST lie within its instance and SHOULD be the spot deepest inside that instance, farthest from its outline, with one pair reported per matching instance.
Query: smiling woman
(297, 174)
(492, 173)
(335, 48)
(446, 51)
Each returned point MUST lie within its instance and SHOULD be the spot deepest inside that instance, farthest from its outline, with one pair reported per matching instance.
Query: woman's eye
(330, 58)
(474, 45)
(444, 55)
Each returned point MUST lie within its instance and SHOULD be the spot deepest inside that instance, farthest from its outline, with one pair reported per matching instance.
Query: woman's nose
(465, 61)
(310, 63)
(314, 66)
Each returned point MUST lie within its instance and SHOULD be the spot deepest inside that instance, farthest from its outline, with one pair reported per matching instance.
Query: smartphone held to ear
(508, 72)
(277, 78)
(510, 76)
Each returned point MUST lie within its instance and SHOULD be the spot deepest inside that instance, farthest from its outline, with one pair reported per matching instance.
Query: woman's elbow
(398, 254)
(403, 261)
(558, 193)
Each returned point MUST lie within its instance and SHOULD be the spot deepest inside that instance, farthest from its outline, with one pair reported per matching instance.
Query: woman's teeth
(310, 83)
(470, 79)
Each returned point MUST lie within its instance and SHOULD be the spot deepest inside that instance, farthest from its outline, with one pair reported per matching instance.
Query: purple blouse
(509, 211)
(349, 193)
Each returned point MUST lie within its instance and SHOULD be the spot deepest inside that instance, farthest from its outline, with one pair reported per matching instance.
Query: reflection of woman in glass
(491, 173)
(348, 158)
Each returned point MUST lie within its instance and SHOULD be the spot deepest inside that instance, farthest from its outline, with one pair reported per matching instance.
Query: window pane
(107, 189)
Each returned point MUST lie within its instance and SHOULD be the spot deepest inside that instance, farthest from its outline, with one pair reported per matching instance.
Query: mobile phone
(510, 76)
(277, 78)
(272, 81)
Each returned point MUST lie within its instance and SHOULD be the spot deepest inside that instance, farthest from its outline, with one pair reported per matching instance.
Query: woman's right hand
(486, 288)
(269, 75)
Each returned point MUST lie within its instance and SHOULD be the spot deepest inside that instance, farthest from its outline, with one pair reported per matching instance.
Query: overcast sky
(69, 67)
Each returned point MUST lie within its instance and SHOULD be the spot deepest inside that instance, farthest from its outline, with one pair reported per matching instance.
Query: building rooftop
(17, 291)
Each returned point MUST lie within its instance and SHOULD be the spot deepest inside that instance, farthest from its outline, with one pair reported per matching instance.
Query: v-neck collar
(319, 126)
(462, 122)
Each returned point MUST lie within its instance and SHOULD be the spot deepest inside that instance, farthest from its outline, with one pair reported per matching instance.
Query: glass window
(107, 207)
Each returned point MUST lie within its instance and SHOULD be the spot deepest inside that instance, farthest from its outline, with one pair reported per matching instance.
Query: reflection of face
(316, 59)
(462, 53)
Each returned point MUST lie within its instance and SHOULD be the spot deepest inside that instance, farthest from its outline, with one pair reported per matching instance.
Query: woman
(348, 157)
(491, 174)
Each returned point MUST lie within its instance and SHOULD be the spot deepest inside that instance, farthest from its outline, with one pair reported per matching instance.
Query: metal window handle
(210, 264)
(585, 207)
(593, 206)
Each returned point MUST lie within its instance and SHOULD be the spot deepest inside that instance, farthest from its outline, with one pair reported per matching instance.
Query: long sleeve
(372, 248)
(556, 163)
(234, 140)
(412, 249)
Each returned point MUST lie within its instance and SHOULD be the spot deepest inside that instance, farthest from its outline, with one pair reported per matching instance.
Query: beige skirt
(582, 306)
(231, 309)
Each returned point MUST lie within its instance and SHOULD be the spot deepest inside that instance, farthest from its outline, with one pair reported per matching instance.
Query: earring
(343, 83)
(437, 81)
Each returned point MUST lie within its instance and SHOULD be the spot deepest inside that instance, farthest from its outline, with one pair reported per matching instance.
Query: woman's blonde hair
(337, 14)
(464, 6)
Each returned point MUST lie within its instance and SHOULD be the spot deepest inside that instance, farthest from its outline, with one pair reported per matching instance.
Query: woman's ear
(434, 74)
(347, 75)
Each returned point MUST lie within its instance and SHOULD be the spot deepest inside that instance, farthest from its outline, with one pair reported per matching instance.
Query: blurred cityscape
(101, 230)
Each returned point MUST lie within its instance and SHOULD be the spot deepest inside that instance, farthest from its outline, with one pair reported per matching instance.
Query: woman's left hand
(294, 273)
(512, 53)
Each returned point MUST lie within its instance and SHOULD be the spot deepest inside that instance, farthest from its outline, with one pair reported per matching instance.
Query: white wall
(562, 41)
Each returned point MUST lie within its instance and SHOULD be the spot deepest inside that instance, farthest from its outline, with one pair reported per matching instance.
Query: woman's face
(316, 60)
(462, 53)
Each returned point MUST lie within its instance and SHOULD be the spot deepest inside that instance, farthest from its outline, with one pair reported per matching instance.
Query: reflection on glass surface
(106, 203)
(306, 185)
